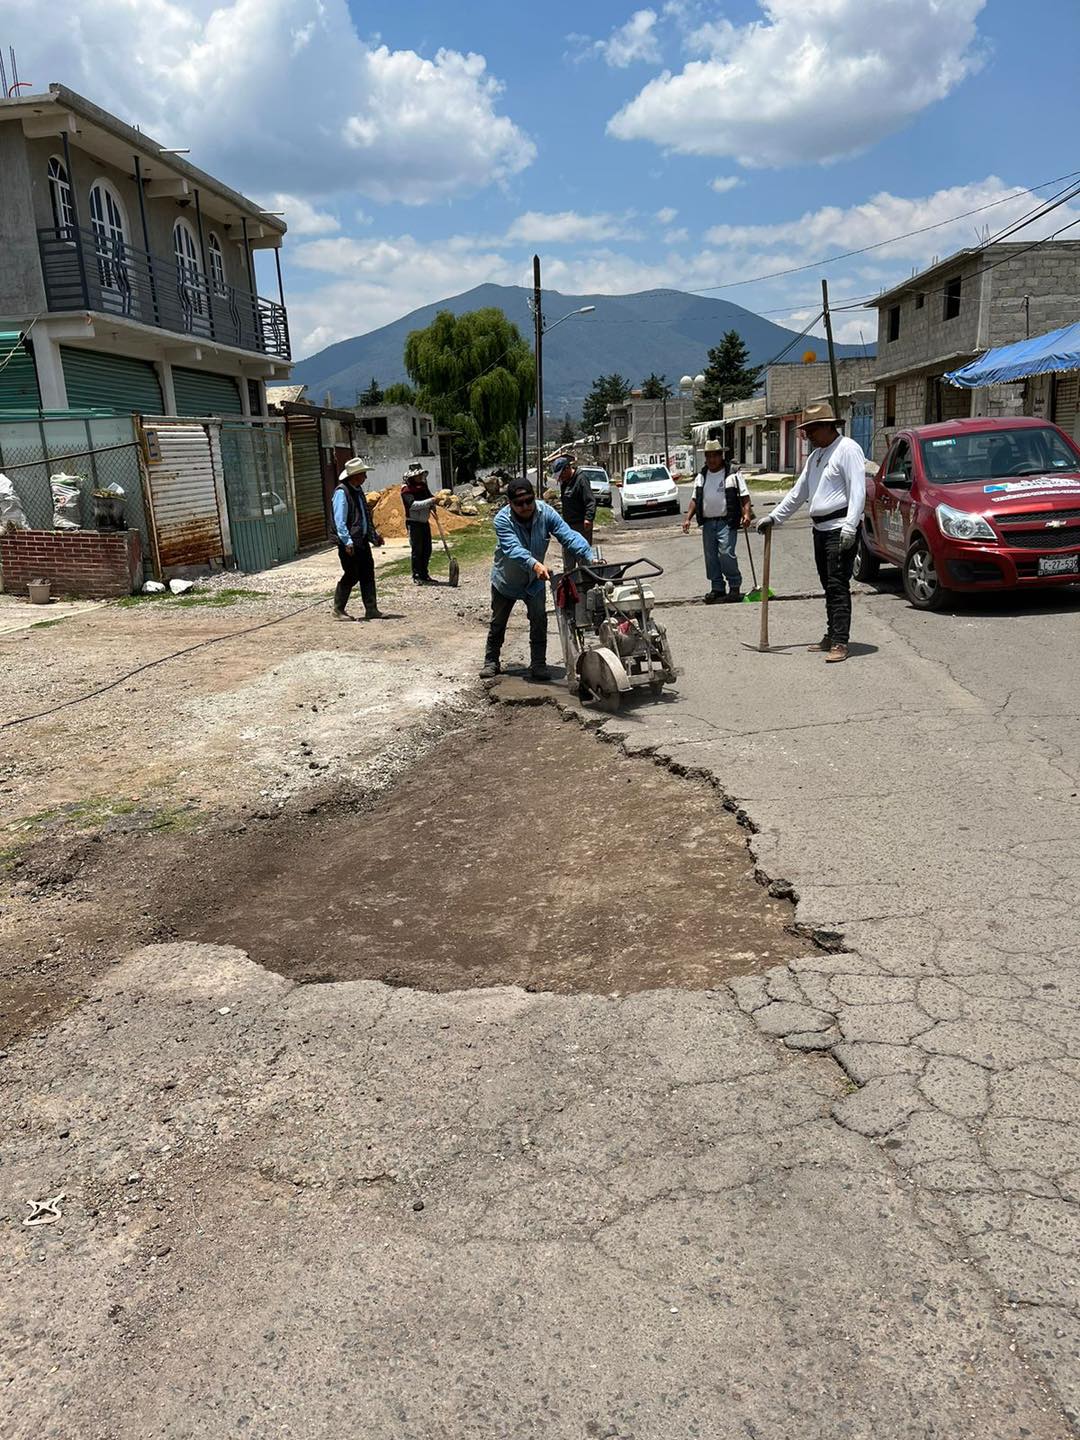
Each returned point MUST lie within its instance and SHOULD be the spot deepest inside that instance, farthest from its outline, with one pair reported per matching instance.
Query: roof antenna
(3, 76)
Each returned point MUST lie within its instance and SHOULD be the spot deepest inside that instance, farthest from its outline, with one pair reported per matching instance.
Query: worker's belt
(831, 515)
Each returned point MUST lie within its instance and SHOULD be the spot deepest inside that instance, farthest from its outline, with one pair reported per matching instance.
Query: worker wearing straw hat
(356, 534)
(833, 483)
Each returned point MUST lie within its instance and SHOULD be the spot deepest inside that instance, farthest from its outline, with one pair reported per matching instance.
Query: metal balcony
(84, 270)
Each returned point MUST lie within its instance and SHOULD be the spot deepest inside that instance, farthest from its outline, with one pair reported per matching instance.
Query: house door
(862, 424)
(261, 519)
(774, 448)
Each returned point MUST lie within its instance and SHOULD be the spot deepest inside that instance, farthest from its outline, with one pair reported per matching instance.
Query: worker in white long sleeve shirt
(833, 483)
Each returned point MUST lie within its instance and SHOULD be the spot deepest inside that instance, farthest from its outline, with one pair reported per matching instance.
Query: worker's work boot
(490, 669)
(715, 597)
(539, 671)
(836, 654)
(342, 614)
(372, 612)
(733, 597)
(825, 643)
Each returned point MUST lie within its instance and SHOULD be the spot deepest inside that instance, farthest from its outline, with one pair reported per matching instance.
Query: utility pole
(832, 352)
(666, 448)
(538, 323)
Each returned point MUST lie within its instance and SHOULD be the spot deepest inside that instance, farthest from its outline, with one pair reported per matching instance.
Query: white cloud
(301, 216)
(676, 237)
(666, 215)
(627, 44)
(811, 81)
(564, 228)
(723, 183)
(264, 88)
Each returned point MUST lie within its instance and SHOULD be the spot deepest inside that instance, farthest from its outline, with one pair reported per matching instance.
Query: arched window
(189, 276)
(63, 212)
(110, 240)
(217, 265)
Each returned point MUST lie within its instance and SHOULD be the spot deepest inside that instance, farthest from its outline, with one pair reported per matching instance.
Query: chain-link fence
(30, 456)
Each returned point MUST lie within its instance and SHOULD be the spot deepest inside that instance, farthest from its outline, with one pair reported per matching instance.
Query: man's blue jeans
(719, 539)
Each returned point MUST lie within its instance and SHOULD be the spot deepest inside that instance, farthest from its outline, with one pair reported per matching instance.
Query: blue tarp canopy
(1042, 355)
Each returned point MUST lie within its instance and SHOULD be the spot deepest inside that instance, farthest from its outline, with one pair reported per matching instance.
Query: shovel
(455, 568)
(755, 595)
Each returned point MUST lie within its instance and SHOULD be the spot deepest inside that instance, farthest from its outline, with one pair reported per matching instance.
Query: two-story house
(942, 317)
(130, 272)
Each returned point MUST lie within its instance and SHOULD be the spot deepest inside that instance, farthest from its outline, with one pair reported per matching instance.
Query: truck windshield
(652, 472)
(997, 454)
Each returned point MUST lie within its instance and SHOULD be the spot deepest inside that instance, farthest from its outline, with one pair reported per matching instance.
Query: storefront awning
(1042, 355)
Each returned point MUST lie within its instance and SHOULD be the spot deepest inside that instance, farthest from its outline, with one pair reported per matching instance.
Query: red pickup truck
(973, 505)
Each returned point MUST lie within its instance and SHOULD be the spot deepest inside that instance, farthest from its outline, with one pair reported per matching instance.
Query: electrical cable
(150, 665)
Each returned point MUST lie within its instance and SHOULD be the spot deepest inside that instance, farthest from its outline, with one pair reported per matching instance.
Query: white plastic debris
(66, 491)
(153, 587)
(181, 587)
(12, 515)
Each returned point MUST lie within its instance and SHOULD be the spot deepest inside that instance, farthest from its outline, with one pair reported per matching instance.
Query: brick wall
(90, 564)
(789, 388)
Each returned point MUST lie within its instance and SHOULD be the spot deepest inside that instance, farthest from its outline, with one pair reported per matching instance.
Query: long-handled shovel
(763, 639)
(755, 594)
(455, 568)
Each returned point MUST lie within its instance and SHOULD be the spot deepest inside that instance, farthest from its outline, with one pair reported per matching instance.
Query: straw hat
(820, 414)
(355, 466)
(714, 447)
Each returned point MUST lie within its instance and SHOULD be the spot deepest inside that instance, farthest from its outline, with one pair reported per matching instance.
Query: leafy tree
(372, 395)
(655, 387)
(566, 434)
(476, 375)
(606, 390)
(399, 394)
(728, 376)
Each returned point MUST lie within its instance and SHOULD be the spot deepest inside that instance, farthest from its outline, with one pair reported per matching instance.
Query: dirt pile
(388, 513)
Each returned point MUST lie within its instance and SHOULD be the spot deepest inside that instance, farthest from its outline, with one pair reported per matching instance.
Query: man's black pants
(356, 569)
(834, 567)
(420, 546)
(536, 608)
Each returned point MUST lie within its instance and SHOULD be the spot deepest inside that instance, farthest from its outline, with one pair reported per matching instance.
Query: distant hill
(666, 331)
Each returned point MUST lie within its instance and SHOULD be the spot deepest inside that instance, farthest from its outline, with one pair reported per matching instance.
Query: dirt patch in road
(520, 852)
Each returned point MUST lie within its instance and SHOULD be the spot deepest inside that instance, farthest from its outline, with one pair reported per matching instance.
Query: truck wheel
(921, 584)
(867, 565)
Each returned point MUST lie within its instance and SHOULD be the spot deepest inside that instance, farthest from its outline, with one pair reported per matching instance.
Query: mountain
(666, 331)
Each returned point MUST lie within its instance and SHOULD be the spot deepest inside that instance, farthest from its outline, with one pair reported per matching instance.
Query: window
(63, 212)
(890, 406)
(952, 298)
(217, 265)
(189, 276)
(899, 462)
(376, 426)
(255, 397)
(893, 321)
(920, 300)
(997, 455)
(109, 224)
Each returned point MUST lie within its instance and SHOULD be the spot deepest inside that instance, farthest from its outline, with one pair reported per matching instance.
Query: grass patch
(218, 599)
(47, 624)
(468, 547)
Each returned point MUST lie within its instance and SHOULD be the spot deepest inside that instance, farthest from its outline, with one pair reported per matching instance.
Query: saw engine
(611, 642)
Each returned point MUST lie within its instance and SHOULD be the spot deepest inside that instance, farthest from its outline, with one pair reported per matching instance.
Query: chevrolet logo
(1055, 524)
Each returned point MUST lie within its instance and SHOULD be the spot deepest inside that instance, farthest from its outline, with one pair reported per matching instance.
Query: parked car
(599, 482)
(648, 488)
(972, 505)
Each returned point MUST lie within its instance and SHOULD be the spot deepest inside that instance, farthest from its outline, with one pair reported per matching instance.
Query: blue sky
(422, 148)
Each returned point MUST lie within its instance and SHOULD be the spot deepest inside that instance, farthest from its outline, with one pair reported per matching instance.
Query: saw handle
(763, 639)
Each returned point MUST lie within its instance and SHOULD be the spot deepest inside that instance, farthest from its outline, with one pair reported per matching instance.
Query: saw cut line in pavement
(519, 852)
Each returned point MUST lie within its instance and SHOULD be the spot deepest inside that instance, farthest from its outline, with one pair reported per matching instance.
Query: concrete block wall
(1049, 276)
(910, 410)
(789, 388)
(88, 564)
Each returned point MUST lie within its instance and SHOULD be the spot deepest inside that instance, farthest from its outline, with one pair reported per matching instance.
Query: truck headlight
(962, 524)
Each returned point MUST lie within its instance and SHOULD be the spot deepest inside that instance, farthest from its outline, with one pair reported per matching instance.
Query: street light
(691, 384)
(539, 331)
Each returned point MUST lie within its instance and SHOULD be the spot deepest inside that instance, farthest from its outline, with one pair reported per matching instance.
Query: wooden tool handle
(763, 641)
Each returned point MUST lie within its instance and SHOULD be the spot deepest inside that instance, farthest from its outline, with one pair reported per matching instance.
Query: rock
(181, 587)
(153, 587)
(418, 1205)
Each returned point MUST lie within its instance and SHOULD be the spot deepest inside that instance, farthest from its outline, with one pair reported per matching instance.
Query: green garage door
(201, 392)
(96, 381)
(307, 479)
(261, 519)
(18, 377)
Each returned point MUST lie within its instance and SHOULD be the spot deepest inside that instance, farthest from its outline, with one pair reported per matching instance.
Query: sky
(422, 148)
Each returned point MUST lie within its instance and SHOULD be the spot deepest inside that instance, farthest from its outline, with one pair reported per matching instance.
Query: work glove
(848, 536)
(765, 523)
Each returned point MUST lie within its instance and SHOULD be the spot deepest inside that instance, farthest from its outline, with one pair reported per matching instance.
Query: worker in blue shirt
(356, 534)
(523, 529)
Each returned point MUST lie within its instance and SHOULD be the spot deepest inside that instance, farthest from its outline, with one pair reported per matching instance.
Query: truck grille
(1042, 539)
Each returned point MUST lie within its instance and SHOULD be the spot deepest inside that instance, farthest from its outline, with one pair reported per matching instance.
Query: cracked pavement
(924, 806)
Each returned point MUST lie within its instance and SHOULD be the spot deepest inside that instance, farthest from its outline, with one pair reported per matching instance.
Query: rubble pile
(388, 512)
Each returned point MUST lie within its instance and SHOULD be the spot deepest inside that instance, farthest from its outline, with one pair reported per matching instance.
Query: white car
(599, 483)
(648, 489)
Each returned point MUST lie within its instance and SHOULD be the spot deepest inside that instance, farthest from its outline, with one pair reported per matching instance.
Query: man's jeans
(536, 609)
(834, 567)
(719, 539)
(356, 569)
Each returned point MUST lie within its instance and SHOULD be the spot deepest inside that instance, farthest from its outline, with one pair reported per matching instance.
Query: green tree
(372, 395)
(566, 434)
(475, 374)
(399, 394)
(606, 390)
(728, 376)
(655, 387)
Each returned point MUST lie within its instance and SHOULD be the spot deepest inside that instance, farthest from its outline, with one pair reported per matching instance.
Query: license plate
(652, 502)
(1059, 564)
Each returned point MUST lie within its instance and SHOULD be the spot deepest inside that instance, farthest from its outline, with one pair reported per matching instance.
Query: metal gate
(303, 431)
(262, 522)
(862, 424)
(182, 469)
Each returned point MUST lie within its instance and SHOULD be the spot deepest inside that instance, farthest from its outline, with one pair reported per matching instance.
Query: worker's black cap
(519, 487)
